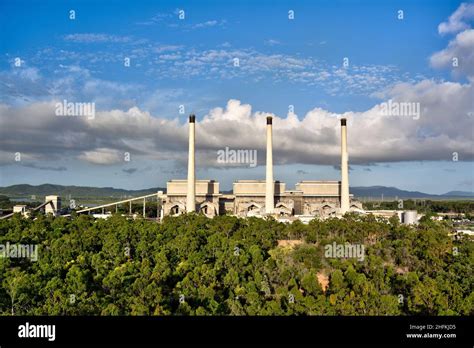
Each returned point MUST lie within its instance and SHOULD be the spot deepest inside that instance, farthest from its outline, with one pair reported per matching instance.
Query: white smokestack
(191, 193)
(270, 186)
(344, 169)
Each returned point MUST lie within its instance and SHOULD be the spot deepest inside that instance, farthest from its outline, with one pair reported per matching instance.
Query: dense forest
(192, 265)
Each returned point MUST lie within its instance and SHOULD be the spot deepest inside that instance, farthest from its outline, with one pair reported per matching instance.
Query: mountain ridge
(90, 191)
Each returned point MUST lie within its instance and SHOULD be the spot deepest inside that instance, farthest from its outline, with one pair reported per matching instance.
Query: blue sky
(189, 62)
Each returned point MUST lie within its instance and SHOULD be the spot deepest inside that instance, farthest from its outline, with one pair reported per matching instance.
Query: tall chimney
(269, 184)
(344, 169)
(191, 193)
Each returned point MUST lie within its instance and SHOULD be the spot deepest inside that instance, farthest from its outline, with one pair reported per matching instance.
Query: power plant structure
(260, 198)
(51, 205)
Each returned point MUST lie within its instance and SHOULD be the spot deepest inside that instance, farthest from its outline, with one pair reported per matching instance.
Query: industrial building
(261, 197)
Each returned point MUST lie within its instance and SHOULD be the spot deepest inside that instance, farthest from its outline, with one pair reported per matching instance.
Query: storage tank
(410, 217)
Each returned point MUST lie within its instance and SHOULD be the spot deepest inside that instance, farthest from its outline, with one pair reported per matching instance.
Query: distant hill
(459, 194)
(378, 191)
(25, 190)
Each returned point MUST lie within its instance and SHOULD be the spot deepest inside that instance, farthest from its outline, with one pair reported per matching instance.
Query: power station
(260, 198)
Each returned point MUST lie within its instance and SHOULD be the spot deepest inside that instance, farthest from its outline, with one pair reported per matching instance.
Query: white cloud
(458, 20)
(206, 24)
(272, 42)
(31, 74)
(459, 55)
(256, 66)
(167, 48)
(96, 38)
(157, 18)
(442, 129)
(166, 61)
(102, 156)
(170, 56)
(461, 48)
(169, 19)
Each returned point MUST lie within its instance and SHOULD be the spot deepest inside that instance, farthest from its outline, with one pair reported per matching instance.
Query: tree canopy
(192, 265)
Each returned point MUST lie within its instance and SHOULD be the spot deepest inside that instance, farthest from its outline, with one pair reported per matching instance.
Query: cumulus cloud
(458, 20)
(442, 128)
(458, 56)
(36, 131)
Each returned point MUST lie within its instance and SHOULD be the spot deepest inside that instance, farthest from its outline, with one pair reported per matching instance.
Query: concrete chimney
(344, 169)
(269, 184)
(191, 193)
